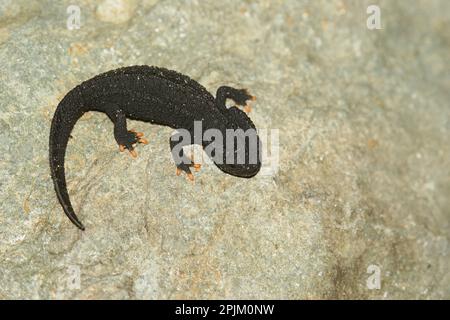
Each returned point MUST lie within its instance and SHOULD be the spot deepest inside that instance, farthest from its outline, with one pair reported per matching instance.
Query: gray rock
(364, 179)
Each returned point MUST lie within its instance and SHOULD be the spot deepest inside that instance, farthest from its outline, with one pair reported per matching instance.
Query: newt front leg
(239, 96)
(183, 163)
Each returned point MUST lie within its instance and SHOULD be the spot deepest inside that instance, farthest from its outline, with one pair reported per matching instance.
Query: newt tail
(69, 110)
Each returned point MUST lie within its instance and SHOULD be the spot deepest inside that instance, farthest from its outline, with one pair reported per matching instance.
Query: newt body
(154, 95)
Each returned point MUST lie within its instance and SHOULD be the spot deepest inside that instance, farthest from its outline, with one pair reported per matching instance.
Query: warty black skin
(149, 94)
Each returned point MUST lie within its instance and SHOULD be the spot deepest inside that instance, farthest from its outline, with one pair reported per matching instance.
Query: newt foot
(196, 166)
(189, 175)
(129, 140)
(244, 97)
(187, 169)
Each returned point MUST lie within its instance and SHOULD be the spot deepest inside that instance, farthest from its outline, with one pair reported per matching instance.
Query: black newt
(158, 96)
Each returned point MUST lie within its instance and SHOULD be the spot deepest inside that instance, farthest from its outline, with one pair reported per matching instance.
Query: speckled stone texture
(364, 177)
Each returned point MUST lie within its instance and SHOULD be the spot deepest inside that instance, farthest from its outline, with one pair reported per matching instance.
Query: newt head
(242, 152)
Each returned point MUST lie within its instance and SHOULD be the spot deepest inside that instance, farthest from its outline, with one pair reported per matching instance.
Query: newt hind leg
(126, 139)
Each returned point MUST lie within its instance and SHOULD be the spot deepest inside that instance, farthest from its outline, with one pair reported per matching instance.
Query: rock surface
(364, 178)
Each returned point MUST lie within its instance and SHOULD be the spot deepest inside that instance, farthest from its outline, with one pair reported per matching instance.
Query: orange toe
(133, 153)
(143, 141)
